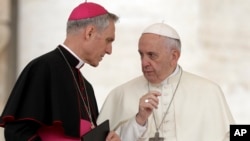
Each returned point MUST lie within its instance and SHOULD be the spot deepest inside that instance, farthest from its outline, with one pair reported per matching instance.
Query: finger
(149, 102)
(152, 97)
(145, 108)
(152, 103)
(155, 93)
(112, 136)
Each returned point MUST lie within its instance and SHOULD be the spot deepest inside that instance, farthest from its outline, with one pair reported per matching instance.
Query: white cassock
(199, 111)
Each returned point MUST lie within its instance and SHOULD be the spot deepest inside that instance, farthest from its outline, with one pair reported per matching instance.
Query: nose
(144, 61)
(109, 49)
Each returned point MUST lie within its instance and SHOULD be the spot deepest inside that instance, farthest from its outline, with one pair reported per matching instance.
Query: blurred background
(215, 38)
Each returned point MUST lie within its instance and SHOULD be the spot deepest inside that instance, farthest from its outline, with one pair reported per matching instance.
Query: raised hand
(147, 104)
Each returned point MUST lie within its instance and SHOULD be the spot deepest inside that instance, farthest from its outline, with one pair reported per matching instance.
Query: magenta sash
(56, 133)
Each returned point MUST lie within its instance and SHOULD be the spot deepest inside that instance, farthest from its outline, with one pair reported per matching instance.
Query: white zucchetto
(163, 30)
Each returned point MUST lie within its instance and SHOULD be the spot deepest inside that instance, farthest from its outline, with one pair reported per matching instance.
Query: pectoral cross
(156, 138)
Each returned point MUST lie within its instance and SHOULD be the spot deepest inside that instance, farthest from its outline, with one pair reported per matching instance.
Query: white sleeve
(131, 131)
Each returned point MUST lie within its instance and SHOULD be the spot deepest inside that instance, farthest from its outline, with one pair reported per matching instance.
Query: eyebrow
(110, 39)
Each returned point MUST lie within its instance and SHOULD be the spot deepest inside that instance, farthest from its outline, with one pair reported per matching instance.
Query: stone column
(8, 22)
(4, 40)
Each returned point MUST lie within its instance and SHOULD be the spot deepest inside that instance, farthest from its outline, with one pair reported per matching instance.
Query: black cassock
(45, 93)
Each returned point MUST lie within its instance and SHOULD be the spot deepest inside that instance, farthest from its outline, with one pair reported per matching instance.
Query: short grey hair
(173, 43)
(101, 22)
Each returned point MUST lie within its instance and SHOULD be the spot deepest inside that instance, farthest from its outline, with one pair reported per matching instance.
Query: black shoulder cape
(45, 92)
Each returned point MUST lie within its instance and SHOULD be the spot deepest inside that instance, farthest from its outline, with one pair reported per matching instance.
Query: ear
(175, 56)
(89, 31)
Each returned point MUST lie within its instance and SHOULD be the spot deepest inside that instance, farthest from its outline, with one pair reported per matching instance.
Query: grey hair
(173, 43)
(101, 22)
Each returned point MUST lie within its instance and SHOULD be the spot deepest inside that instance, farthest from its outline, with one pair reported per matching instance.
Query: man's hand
(147, 104)
(112, 136)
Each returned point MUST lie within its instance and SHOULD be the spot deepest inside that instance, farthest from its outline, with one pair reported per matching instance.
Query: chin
(94, 64)
(150, 78)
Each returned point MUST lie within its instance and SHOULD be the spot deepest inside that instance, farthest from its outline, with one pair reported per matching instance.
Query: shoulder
(197, 85)
(191, 78)
(47, 58)
(41, 64)
(134, 84)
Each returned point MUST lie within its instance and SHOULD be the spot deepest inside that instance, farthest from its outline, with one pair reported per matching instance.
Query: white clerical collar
(81, 62)
(166, 80)
(175, 71)
(172, 75)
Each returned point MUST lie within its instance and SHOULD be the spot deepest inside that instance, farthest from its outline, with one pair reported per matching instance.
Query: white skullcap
(162, 29)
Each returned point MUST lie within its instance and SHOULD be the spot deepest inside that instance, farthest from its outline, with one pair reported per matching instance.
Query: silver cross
(156, 138)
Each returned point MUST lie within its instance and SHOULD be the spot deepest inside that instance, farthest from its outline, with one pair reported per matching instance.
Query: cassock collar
(174, 77)
(81, 62)
(170, 78)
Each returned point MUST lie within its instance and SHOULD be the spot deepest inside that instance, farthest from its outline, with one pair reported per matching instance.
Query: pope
(173, 104)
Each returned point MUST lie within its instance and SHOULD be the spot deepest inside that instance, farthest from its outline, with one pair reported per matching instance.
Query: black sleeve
(21, 131)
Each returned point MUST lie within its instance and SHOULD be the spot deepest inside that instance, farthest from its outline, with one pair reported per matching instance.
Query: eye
(152, 55)
(109, 40)
(141, 55)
